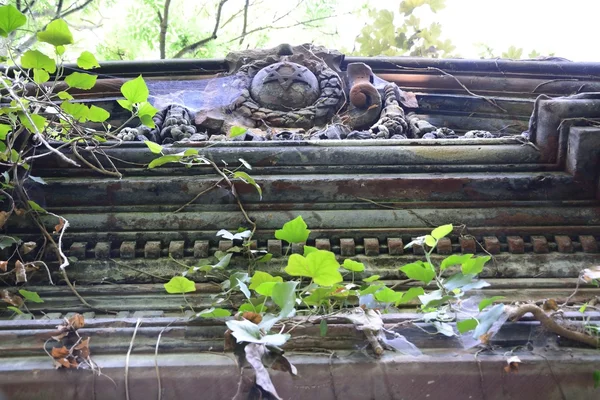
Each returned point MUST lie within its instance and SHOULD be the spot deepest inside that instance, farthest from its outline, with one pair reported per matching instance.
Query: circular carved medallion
(285, 86)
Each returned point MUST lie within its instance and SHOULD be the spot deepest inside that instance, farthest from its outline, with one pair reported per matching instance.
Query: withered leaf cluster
(75, 350)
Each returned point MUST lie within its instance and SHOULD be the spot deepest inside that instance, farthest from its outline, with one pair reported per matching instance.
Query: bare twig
(137, 325)
(198, 195)
(201, 42)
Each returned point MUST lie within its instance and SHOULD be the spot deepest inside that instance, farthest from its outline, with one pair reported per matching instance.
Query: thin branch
(306, 22)
(137, 325)
(164, 25)
(213, 36)
(245, 21)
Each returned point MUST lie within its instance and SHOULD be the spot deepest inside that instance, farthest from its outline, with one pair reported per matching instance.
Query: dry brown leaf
(27, 247)
(252, 317)
(59, 352)
(76, 321)
(11, 299)
(3, 218)
(19, 212)
(61, 362)
(3, 266)
(512, 364)
(60, 226)
(84, 348)
(20, 272)
(485, 338)
(60, 337)
(550, 305)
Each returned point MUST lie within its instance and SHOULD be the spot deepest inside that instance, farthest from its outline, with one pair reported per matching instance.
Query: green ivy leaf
(180, 284)
(387, 295)
(372, 278)
(214, 313)
(441, 231)
(308, 250)
(36, 207)
(596, 376)
(38, 120)
(81, 80)
(15, 309)
(467, 325)
(323, 327)
(419, 271)
(7, 241)
(353, 266)
(37, 59)
(154, 147)
(371, 289)
(260, 277)
(57, 33)
(40, 76)
(265, 288)
(37, 179)
(64, 95)
(430, 241)
(78, 111)
(4, 129)
(293, 231)
(489, 301)
(259, 308)
(135, 90)
(31, 296)
(60, 50)
(411, 294)
(87, 61)
(237, 131)
(454, 259)
(249, 180)
(157, 162)
(284, 295)
(320, 265)
(10, 19)
(475, 265)
(147, 120)
(126, 104)
(98, 114)
(318, 296)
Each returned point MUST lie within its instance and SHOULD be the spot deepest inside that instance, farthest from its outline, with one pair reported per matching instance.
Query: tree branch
(262, 28)
(245, 21)
(213, 36)
(57, 15)
(164, 25)
(517, 312)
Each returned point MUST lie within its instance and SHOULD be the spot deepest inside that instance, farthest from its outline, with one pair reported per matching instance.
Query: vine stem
(38, 136)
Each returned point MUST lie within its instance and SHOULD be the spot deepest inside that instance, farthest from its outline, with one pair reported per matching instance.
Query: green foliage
(38, 60)
(31, 296)
(237, 131)
(214, 313)
(489, 301)
(246, 331)
(294, 231)
(180, 284)
(87, 61)
(466, 325)
(260, 277)
(321, 266)
(420, 271)
(57, 33)
(596, 377)
(10, 19)
(394, 34)
(353, 266)
(80, 80)
(244, 177)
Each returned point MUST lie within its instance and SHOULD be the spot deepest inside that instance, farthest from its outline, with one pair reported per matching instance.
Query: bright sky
(568, 28)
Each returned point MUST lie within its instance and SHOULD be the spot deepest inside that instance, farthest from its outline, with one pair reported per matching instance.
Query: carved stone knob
(285, 86)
